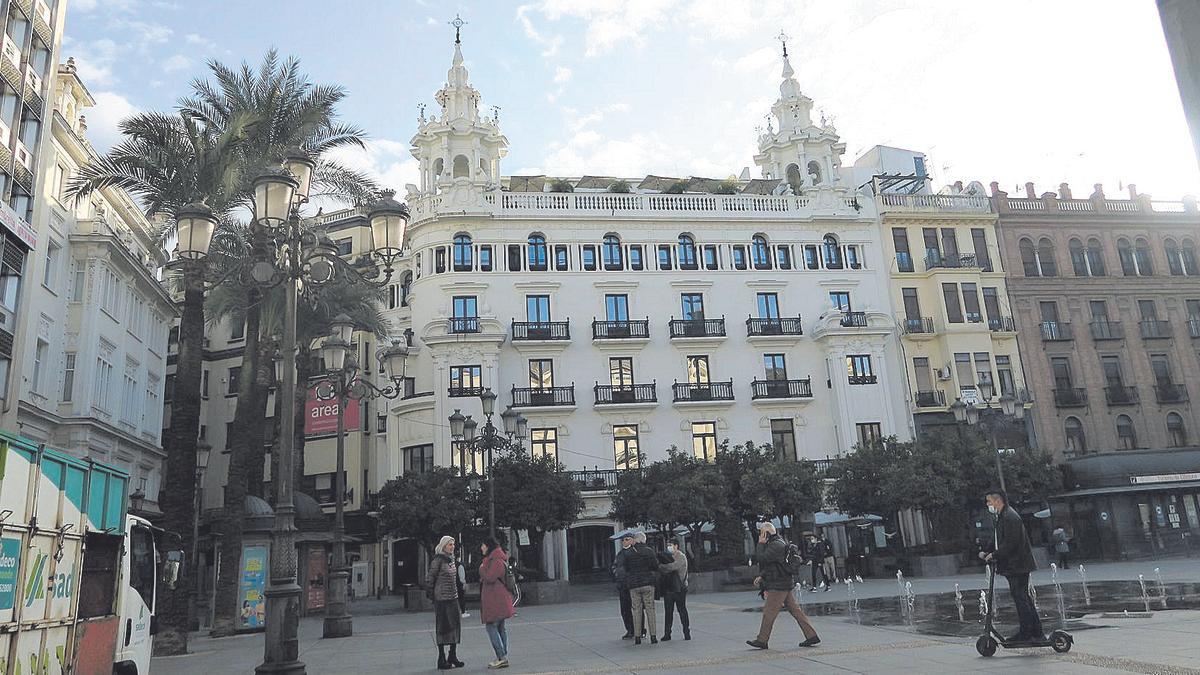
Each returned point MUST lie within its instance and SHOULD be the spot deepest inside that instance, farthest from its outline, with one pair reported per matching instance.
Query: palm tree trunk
(247, 436)
(178, 494)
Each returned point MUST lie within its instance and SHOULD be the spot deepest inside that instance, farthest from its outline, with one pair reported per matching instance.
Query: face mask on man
(992, 510)
(670, 548)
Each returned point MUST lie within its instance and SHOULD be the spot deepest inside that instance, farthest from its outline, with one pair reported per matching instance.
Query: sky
(1009, 90)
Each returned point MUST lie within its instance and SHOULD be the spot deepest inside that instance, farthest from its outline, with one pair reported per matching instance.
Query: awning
(822, 519)
(1120, 489)
(627, 532)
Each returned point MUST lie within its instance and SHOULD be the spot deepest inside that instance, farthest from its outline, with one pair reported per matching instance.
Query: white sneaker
(499, 663)
(466, 615)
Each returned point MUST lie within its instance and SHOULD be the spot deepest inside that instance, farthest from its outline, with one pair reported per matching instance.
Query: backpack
(510, 579)
(792, 560)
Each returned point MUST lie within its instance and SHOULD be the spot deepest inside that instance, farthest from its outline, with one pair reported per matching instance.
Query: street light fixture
(463, 431)
(194, 227)
(343, 382)
(1010, 408)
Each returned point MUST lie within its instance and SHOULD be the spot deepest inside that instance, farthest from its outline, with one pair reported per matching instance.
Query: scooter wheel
(986, 645)
(1061, 641)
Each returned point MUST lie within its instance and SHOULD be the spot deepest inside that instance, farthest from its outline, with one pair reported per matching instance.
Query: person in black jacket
(619, 576)
(641, 568)
(1013, 558)
(776, 584)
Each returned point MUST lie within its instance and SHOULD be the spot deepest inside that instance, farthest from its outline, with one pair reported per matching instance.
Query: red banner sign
(320, 417)
(317, 567)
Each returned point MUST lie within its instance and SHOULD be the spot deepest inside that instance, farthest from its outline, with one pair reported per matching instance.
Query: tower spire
(782, 37)
(458, 23)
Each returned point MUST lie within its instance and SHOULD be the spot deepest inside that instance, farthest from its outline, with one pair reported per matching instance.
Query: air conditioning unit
(32, 79)
(12, 52)
(5, 135)
(43, 10)
(943, 373)
(23, 155)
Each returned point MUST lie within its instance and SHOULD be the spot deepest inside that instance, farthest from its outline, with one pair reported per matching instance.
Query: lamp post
(203, 452)
(285, 253)
(343, 383)
(463, 431)
(1010, 408)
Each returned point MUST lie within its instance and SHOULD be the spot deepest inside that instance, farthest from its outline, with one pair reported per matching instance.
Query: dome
(257, 507)
(309, 514)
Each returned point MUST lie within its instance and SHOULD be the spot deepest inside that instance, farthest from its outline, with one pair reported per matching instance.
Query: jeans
(1018, 587)
(499, 638)
(773, 601)
(829, 570)
(817, 567)
(643, 610)
(626, 610)
(671, 601)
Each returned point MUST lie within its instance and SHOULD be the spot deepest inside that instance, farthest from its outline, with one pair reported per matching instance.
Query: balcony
(541, 330)
(596, 480)
(1170, 392)
(1107, 330)
(1002, 324)
(1070, 397)
(780, 389)
(463, 392)
(1055, 331)
(462, 324)
(690, 392)
(854, 319)
(1194, 326)
(756, 327)
(629, 394)
(621, 330)
(1155, 329)
(964, 261)
(539, 397)
(864, 379)
(931, 399)
(697, 328)
(922, 325)
(1120, 395)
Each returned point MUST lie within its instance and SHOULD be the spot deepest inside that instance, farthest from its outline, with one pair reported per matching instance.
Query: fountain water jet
(958, 603)
(1162, 589)
(1145, 595)
(1087, 596)
(1058, 594)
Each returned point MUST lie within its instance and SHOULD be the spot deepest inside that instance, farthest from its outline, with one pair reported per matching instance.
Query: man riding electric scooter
(1013, 558)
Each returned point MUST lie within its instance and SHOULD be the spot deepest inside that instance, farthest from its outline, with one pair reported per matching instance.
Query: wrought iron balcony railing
(864, 379)
(1056, 331)
(760, 389)
(525, 397)
(921, 325)
(459, 392)
(1155, 329)
(462, 324)
(1170, 392)
(1070, 397)
(703, 391)
(1194, 326)
(621, 330)
(1002, 324)
(964, 261)
(688, 328)
(1107, 330)
(541, 330)
(1120, 395)
(609, 394)
(756, 327)
(854, 319)
(931, 399)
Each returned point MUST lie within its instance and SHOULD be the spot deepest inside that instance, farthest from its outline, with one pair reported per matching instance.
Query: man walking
(620, 576)
(640, 568)
(775, 579)
(828, 562)
(1013, 559)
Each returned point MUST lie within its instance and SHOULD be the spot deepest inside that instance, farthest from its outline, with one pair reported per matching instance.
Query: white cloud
(609, 22)
(388, 161)
(550, 45)
(94, 62)
(561, 75)
(176, 63)
(104, 118)
(144, 34)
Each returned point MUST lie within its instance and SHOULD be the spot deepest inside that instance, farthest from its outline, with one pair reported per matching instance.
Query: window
(1141, 255)
(465, 309)
(393, 296)
(68, 390)
(79, 282)
(237, 327)
(812, 259)
(345, 246)
(687, 252)
(514, 257)
(1078, 258)
(697, 369)
(775, 366)
(664, 257)
(1187, 256)
(1004, 375)
(541, 374)
(840, 300)
(768, 306)
(588, 257)
(704, 441)
(869, 433)
(169, 388)
(760, 253)
(1125, 253)
(462, 253)
(418, 459)
(1046, 260)
(1052, 329)
(1076, 441)
(971, 303)
(131, 403)
(616, 307)
(625, 446)
(1113, 380)
(692, 305)
(858, 368)
(852, 260)
(933, 250)
(1160, 365)
(739, 257)
(950, 246)
(102, 384)
(832, 252)
(467, 459)
(979, 241)
(710, 257)
(562, 258)
(234, 381)
(544, 442)
(1028, 258)
(613, 260)
(485, 258)
(912, 306)
(1060, 367)
(636, 262)
(1176, 434)
(537, 253)
(110, 288)
(900, 242)
(991, 305)
(1126, 435)
(983, 368)
(620, 372)
(537, 308)
(962, 369)
(814, 172)
(58, 181)
(1095, 257)
(406, 288)
(40, 354)
(50, 273)
(783, 257)
(783, 439)
(203, 383)
(953, 308)
(466, 380)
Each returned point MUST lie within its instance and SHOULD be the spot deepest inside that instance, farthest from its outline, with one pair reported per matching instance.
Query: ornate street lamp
(194, 225)
(968, 414)
(463, 431)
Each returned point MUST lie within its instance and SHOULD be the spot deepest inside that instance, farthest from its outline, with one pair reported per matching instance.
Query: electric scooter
(1059, 640)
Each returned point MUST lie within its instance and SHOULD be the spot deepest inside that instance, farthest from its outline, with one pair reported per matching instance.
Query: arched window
(1076, 441)
(1045, 255)
(537, 253)
(483, 170)
(832, 252)
(1029, 258)
(405, 288)
(1078, 258)
(1141, 255)
(1126, 436)
(1174, 263)
(462, 253)
(793, 177)
(612, 252)
(1125, 253)
(1188, 257)
(1176, 433)
(814, 173)
(760, 253)
(462, 167)
(687, 252)
(439, 166)
(1095, 257)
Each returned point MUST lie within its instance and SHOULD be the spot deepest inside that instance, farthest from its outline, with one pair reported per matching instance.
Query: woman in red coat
(496, 603)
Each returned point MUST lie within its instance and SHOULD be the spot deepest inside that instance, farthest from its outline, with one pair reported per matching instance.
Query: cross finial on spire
(458, 23)
(783, 38)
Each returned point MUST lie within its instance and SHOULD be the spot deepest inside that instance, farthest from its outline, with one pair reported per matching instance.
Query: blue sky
(1014, 90)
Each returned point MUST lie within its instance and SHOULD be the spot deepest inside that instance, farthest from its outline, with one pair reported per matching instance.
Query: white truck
(78, 575)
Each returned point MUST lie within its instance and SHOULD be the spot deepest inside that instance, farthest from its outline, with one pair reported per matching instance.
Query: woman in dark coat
(442, 579)
(495, 602)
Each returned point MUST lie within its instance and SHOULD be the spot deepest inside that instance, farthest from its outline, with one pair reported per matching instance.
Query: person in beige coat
(674, 577)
